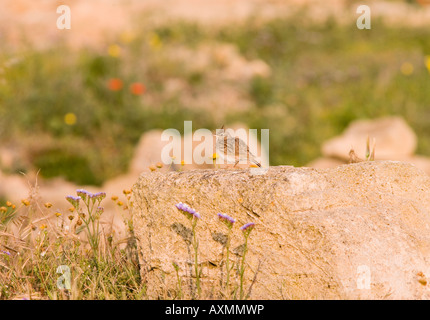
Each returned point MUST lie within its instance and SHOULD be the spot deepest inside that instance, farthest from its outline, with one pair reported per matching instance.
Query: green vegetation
(44, 253)
(323, 76)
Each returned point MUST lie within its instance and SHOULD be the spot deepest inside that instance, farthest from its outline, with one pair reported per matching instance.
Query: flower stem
(227, 264)
(196, 262)
(242, 266)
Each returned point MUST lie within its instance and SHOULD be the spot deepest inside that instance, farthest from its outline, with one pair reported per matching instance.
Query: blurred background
(75, 103)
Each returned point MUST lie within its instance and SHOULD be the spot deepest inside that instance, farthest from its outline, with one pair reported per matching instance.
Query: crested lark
(233, 149)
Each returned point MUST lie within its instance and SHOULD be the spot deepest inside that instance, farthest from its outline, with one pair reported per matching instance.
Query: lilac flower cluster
(187, 210)
(247, 228)
(5, 252)
(229, 221)
(98, 196)
(74, 200)
(84, 194)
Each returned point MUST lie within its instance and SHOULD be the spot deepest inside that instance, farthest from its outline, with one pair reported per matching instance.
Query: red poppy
(137, 88)
(115, 84)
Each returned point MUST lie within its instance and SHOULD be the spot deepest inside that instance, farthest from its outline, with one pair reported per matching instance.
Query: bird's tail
(257, 163)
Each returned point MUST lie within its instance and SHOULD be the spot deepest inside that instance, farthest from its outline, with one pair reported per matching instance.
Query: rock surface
(320, 234)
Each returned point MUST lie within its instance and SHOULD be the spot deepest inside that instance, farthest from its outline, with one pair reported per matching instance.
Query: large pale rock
(320, 234)
(394, 139)
(421, 162)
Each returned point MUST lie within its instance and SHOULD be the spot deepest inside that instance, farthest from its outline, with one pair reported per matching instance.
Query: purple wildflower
(229, 221)
(5, 252)
(83, 194)
(99, 212)
(188, 211)
(97, 196)
(74, 200)
(100, 195)
(247, 228)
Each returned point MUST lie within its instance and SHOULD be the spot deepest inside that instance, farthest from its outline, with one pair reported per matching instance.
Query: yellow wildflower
(159, 165)
(407, 68)
(114, 50)
(70, 119)
(155, 41)
(428, 63)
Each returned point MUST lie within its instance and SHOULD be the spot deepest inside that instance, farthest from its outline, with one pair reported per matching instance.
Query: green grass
(35, 242)
(323, 77)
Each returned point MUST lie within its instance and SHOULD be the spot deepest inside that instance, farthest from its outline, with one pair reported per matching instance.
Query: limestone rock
(394, 139)
(320, 233)
(421, 162)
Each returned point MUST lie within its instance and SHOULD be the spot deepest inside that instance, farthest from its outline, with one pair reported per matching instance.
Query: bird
(353, 158)
(233, 149)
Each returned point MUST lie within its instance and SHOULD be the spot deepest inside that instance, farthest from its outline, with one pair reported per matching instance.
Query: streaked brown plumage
(239, 149)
